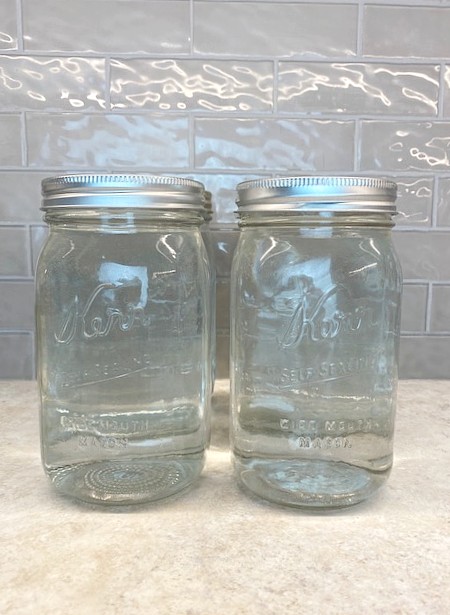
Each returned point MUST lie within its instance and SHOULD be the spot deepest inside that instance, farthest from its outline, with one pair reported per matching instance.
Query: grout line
(19, 18)
(360, 30)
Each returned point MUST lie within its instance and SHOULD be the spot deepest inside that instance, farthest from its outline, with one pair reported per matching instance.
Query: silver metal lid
(122, 191)
(318, 194)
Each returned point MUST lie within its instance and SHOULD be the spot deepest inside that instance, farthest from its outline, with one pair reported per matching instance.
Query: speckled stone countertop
(215, 550)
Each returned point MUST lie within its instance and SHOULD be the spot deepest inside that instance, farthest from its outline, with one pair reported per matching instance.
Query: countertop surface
(215, 550)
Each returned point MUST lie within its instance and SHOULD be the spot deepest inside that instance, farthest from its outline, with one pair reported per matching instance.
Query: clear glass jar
(208, 239)
(315, 312)
(123, 336)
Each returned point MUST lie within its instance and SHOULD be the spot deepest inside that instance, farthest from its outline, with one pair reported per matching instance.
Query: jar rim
(318, 193)
(122, 190)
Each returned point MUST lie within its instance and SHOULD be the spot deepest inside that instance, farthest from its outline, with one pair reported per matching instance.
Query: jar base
(127, 481)
(311, 484)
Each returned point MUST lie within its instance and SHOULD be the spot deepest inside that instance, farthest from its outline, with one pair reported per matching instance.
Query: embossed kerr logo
(95, 319)
(315, 319)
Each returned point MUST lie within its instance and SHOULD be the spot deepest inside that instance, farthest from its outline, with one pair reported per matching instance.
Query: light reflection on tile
(294, 145)
(52, 83)
(134, 26)
(446, 85)
(223, 189)
(103, 141)
(275, 29)
(414, 201)
(169, 85)
(358, 88)
(403, 146)
(443, 202)
(38, 237)
(8, 25)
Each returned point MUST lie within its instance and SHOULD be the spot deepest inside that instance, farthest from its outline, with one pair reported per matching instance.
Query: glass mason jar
(123, 336)
(208, 239)
(316, 289)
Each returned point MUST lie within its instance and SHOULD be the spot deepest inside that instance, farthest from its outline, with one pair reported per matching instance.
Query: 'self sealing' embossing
(308, 322)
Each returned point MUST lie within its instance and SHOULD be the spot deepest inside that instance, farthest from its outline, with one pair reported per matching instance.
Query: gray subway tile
(446, 92)
(223, 189)
(8, 27)
(424, 255)
(52, 83)
(16, 356)
(115, 26)
(319, 87)
(405, 146)
(275, 29)
(407, 31)
(222, 356)
(269, 144)
(16, 305)
(440, 309)
(194, 85)
(414, 305)
(101, 141)
(414, 201)
(38, 237)
(224, 244)
(425, 357)
(14, 259)
(443, 202)
(20, 196)
(223, 306)
(10, 140)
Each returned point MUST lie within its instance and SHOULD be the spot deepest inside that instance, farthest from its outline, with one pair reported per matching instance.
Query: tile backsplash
(223, 92)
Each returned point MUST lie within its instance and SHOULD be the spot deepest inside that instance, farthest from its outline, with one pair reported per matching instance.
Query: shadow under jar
(123, 336)
(315, 311)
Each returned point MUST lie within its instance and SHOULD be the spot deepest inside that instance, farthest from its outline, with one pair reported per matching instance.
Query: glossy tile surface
(424, 256)
(8, 25)
(14, 260)
(358, 88)
(16, 355)
(10, 140)
(440, 310)
(414, 305)
(279, 29)
(443, 202)
(195, 85)
(16, 305)
(104, 141)
(405, 146)
(414, 201)
(225, 91)
(63, 84)
(20, 196)
(133, 26)
(407, 31)
(306, 145)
